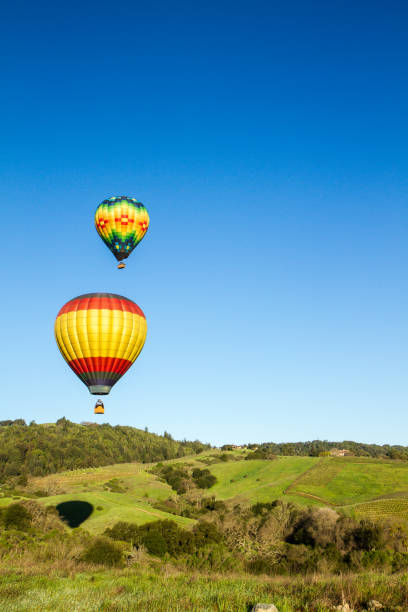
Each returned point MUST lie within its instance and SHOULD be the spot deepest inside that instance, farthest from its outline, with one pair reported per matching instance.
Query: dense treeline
(317, 448)
(38, 450)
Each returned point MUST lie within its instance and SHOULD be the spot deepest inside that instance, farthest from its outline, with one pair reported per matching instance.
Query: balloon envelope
(100, 335)
(121, 222)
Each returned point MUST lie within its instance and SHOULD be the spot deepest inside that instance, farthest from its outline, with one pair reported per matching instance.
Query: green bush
(22, 480)
(176, 477)
(127, 532)
(115, 485)
(17, 517)
(400, 562)
(103, 552)
(259, 565)
(214, 558)
(203, 478)
(205, 532)
(155, 544)
(210, 504)
(262, 508)
(178, 540)
(367, 536)
(378, 559)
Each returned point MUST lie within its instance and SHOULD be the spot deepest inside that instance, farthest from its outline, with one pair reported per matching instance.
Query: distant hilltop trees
(38, 450)
(322, 448)
(16, 422)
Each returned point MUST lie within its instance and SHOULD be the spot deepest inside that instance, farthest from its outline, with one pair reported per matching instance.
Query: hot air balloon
(100, 335)
(121, 222)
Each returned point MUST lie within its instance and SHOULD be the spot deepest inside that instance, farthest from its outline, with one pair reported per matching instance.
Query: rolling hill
(362, 487)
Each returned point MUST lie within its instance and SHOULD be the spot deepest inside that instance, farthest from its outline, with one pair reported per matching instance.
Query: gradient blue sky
(269, 142)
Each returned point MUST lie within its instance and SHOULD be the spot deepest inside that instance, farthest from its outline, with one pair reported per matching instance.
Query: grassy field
(363, 487)
(109, 508)
(341, 481)
(258, 480)
(170, 591)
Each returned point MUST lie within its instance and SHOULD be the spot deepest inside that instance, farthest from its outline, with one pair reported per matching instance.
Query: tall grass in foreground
(163, 589)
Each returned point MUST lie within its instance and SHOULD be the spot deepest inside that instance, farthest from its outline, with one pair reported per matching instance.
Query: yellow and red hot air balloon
(121, 222)
(100, 335)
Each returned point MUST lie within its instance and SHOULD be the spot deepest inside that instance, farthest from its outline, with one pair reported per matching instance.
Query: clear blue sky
(268, 141)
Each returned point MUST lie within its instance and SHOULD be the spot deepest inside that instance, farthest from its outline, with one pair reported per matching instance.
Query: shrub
(400, 562)
(127, 532)
(43, 518)
(216, 558)
(262, 508)
(155, 544)
(298, 559)
(367, 536)
(176, 477)
(377, 558)
(17, 517)
(259, 565)
(205, 532)
(115, 485)
(313, 527)
(203, 478)
(178, 541)
(103, 552)
(22, 480)
(210, 504)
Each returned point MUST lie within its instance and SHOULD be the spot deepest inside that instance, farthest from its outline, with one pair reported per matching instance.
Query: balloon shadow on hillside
(74, 513)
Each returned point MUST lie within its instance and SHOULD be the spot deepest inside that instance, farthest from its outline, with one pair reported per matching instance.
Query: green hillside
(109, 508)
(38, 450)
(345, 481)
(362, 487)
(232, 530)
(113, 469)
(255, 481)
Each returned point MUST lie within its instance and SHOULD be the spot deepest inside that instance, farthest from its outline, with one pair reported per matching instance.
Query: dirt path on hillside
(298, 478)
(310, 496)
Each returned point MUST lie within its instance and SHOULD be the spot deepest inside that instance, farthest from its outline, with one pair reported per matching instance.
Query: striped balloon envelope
(100, 335)
(121, 222)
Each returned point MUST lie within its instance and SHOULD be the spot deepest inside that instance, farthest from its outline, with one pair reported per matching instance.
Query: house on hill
(230, 447)
(340, 452)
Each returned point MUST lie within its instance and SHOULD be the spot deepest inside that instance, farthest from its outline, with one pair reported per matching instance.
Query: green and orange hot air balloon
(100, 335)
(121, 222)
